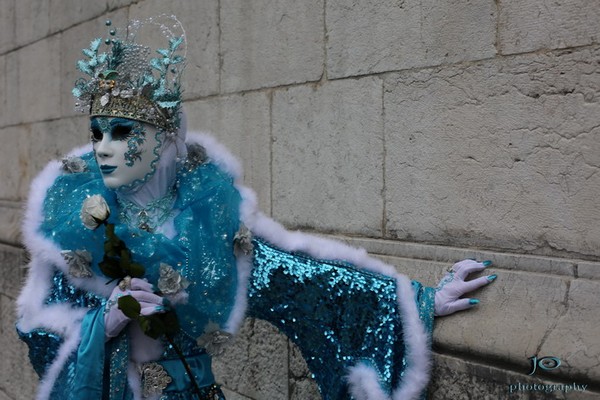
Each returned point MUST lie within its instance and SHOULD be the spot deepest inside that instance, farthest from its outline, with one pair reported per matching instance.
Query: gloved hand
(453, 285)
(141, 290)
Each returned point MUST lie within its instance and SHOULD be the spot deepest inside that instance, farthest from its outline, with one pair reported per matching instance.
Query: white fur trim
(134, 380)
(364, 383)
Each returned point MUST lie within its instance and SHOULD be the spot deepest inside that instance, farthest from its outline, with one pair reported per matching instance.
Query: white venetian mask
(126, 150)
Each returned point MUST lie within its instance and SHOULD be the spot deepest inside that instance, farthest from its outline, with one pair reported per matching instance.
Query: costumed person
(147, 254)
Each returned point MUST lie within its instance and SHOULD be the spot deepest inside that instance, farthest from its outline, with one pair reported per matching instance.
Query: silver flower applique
(94, 211)
(243, 240)
(154, 379)
(105, 99)
(74, 165)
(79, 262)
(214, 339)
(171, 281)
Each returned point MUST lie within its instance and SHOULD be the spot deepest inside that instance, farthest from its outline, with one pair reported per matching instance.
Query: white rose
(94, 211)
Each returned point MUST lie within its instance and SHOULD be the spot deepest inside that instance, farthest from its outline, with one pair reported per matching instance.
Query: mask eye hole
(96, 134)
(121, 132)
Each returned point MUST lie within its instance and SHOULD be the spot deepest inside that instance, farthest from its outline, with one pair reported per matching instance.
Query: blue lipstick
(107, 169)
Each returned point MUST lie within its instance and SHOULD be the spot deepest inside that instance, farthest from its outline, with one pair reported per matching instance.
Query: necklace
(150, 217)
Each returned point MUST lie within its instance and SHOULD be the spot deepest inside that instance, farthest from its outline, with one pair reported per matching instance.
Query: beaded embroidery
(150, 217)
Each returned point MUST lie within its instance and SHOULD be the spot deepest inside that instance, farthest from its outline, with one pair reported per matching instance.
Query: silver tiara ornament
(125, 81)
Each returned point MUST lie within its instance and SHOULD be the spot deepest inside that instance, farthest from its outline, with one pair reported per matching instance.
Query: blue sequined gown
(337, 313)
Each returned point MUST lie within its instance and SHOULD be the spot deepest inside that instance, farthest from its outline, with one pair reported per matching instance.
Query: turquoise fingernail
(492, 278)
(473, 301)
(159, 308)
(487, 263)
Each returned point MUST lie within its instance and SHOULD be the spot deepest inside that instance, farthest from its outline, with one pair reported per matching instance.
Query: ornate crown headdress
(126, 82)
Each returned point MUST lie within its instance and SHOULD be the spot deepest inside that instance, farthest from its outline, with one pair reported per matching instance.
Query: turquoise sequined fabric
(337, 314)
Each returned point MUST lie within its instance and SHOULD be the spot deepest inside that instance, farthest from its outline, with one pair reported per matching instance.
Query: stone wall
(426, 131)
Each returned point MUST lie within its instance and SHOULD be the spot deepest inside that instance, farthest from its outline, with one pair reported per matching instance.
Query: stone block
(52, 141)
(7, 26)
(200, 20)
(18, 378)
(3, 89)
(14, 164)
(11, 114)
(39, 84)
(369, 36)
(269, 43)
(455, 378)
(574, 336)
(497, 154)
(328, 156)
(11, 213)
(66, 13)
(589, 270)
(12, 262)
(255, 365)
(242, 123)
(33, 22)
(512, 321)
(72, 42)
(532, 25)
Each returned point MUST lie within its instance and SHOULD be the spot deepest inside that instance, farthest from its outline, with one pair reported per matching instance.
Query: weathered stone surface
(517, 300)
(4, 396)
(200, 20)
(229, 395)
(33, 21)
(3, 92)
(10, 222)
(268, 43)
(66, 13)
(114, 4)
(574, 336)
(242, 124)
(370, 36)
(449, 255)
(328, 156)
(12, 262)
(18, 378)
(72, 42)
(11, 114)
(302, 386)
(589, 270)
(454, 378)
(498, 154)
(54, 139)
(533, 25)
(256, 363)
(7, 25)
(39, 80)
(14, 172)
